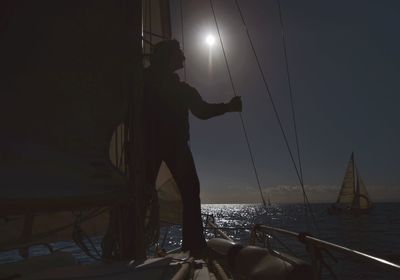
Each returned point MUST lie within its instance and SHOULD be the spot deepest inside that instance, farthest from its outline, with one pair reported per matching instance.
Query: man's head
(167, 55)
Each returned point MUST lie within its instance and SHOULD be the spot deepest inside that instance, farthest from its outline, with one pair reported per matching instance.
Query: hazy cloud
(294, 194)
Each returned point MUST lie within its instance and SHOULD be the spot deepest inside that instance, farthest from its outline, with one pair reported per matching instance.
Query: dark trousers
(179, 160)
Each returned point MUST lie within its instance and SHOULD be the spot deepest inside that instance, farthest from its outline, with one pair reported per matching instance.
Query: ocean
(376, 233)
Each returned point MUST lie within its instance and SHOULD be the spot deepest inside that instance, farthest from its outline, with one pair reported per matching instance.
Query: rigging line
(305, 197)
(240, 114)
(273, 105)
(183, 39)
(289, 85)
(269, 93)
(144, 20)
(115, 146)
(150, 19)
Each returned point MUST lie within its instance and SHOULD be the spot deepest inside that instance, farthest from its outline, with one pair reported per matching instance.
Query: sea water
(376, 233)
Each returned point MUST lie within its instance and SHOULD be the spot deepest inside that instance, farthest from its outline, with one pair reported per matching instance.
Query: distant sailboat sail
(346, 194)
(353, 195)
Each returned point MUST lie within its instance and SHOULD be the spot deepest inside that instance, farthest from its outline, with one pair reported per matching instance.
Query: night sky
(344, 62)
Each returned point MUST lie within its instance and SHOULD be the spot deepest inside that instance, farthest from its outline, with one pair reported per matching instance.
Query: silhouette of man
(167, 104)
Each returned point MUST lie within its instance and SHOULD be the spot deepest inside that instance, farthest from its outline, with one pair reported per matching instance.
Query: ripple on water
(376, 233)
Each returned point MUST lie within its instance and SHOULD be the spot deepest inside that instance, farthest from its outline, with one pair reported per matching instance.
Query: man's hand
(235, 105)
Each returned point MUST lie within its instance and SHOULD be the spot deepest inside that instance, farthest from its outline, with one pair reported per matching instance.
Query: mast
(356, 199)
(136, 129)
(132, 215)
(138, 218)
(354, 183)
(125, 237)
(269, 200)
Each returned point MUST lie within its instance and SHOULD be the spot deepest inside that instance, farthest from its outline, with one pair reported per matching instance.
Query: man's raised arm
(204, 110)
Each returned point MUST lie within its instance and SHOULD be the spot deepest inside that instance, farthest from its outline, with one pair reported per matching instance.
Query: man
(167, 105)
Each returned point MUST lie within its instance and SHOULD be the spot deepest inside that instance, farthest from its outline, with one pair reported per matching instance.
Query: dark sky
(344, 62)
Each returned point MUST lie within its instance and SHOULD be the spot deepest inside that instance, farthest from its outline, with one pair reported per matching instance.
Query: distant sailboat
(353, 196)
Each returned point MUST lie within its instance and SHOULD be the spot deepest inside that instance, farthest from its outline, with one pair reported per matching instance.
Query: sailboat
(353, 196)
(71, 151)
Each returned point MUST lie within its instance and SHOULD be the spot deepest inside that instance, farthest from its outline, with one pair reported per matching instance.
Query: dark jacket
(167, 104)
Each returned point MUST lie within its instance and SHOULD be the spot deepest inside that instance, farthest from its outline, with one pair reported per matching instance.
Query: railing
(313, 245)
(315, 242)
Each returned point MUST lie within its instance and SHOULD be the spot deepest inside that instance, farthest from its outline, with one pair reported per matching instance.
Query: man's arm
(204, 110)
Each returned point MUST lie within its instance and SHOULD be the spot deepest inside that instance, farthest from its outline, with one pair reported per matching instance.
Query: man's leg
(113, 238)
(181, 165)
(152, 163)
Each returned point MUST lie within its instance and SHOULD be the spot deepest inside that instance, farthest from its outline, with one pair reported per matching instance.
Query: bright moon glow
(210, 40)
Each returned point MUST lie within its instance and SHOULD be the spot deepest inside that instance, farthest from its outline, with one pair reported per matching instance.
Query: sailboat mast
(136, 128)
(159, 17)
(125, 238)
(356, 188)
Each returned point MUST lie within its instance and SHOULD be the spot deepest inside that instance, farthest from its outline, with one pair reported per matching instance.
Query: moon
(210, 40)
